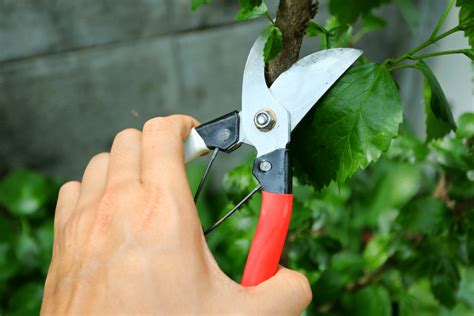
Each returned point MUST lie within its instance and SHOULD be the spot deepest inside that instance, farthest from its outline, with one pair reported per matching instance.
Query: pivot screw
(265, 166)
(224, 135)
(265, 120)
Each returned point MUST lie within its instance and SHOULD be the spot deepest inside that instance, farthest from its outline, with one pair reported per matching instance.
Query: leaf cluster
(26, 237)
(395, 239)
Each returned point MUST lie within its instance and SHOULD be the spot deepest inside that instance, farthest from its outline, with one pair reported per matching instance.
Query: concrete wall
(73, 73)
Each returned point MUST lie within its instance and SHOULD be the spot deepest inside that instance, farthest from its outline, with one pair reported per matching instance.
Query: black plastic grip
(273, 171)
(222, 132)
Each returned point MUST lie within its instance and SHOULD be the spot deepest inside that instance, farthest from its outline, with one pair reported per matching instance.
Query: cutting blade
(301, 86)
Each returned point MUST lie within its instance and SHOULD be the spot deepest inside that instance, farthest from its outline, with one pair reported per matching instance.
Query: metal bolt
(224, 135)
(264, 120)
(265, 166)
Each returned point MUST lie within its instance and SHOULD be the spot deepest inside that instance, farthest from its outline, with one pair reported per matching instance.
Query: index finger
(163, 150)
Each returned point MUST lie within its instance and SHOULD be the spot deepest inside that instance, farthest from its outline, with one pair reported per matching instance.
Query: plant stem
(292, 18)
(425, 44)
(443, 17)
(402, 67)
(448, 52)
(267, 15)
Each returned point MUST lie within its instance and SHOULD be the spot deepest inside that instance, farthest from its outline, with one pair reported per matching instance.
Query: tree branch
(292, 19)
(369, 278)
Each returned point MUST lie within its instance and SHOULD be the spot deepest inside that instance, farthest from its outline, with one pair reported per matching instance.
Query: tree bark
(292, 19)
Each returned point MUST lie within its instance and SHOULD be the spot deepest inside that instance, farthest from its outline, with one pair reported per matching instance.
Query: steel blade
(256, 96)
(301, 86)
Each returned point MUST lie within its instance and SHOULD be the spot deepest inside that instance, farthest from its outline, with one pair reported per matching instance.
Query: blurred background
(74, 73)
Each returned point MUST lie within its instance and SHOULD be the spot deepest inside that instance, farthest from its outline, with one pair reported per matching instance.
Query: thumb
(286, 293)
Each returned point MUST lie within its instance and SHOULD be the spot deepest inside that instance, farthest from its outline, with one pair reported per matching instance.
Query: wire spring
(235, 208)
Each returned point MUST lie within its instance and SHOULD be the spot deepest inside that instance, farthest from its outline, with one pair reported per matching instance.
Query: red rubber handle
(269, 239)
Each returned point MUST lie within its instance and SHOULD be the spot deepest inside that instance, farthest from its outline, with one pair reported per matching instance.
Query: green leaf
(408, 148)
(251, 10)
(376, 252)
(435, 128)
(452, 153)
(8, 229)
(314, 29)
(8, 262)
(26, 300)
(466, 288)
(249, 4)
(373, 300)
(439, 119)
(444, 279)
(347, 11)
(24, 192)
(273, 44)
(195, 4)
(371, 23)
(349, 265)
(329, 287)
(338, 34)
(27, 251)
(424, 215)
(350, 128)
(393, 190)
(44, 236)
(466, 19)
(465, 125)
(419, 300)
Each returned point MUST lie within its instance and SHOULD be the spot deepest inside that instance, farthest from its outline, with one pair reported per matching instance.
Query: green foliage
(251, 9)
(466, 19)
(26, 237)
(465, 125)
(386, 240)
(445, 280)
(439, 119)
(195, 4)
(469, 53)
(371, 22)
(24, 193)
(351, 125)
(348, 11)
(337, 34)
(371, 300)
(273, 44)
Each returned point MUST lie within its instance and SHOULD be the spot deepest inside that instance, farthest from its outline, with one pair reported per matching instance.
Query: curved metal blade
(255, 97)
(301, 86)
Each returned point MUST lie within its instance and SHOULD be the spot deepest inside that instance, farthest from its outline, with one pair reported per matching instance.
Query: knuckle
(99, 158)
(126, 134)
(157, 124)
(69, 186)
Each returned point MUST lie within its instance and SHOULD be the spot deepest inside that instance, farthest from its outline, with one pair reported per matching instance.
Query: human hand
(127, 240)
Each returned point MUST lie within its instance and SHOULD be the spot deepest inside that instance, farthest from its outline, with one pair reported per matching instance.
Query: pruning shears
(265, 122)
